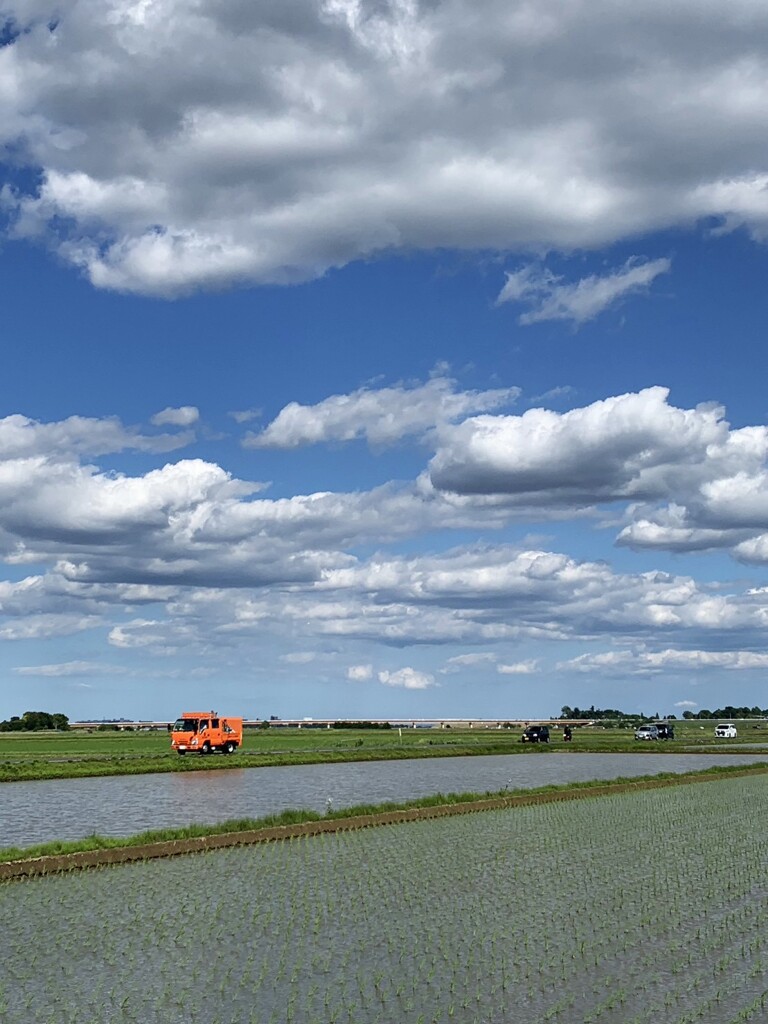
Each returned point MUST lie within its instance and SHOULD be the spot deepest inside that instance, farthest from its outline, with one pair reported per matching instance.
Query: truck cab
(203, 732)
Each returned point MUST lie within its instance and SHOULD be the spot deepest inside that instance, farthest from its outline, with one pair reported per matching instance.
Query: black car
(536, 734)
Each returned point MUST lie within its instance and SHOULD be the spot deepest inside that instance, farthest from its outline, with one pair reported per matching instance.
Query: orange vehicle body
(203, 732)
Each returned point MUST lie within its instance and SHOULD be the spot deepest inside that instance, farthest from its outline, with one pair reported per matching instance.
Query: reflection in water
(35, 812)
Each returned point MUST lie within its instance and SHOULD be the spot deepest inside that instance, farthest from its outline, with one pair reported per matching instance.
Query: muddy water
(35, 812)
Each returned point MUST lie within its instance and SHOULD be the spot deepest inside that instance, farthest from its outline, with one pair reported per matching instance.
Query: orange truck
(202, 732)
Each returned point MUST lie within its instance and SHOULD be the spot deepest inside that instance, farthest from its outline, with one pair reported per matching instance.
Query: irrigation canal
(36, 812)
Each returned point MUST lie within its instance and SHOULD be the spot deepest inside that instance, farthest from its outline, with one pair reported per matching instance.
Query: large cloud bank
(185, 556)
(174, 144)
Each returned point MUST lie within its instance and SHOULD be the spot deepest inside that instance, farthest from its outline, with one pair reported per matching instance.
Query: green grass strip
(151, 764)
(27, 768)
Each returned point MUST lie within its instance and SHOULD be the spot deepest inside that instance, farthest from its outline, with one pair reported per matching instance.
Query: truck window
(215, 723)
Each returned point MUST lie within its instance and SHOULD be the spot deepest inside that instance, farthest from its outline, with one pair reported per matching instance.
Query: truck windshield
(185, 725)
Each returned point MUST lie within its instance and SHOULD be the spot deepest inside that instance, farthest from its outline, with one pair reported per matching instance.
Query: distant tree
(596, 713)
(33, 721)
(361, 725)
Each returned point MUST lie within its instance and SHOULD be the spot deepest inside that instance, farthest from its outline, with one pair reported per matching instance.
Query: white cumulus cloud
(407, 679)
(359, 673)
(518, 668)
(184, 416)
(381, 416)
(304, 134)
(21, 437)
(139, 633)
(669, 660)
(552, 298)
(626, 447)
(299, 657)
(464, 661)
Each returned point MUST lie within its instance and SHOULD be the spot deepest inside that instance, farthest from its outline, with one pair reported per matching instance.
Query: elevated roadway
(395, 723)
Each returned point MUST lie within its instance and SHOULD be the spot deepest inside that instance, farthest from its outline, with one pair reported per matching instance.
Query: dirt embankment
(31, 867)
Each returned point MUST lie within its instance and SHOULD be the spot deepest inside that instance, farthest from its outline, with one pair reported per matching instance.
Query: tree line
(593, 712)
(727, 712)
(33, 721)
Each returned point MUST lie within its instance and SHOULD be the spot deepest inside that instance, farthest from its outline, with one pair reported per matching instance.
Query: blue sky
(395, 358)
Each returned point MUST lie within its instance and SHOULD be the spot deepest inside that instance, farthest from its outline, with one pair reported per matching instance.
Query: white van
(725, 731)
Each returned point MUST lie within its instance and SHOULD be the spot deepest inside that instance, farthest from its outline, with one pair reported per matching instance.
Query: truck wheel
(206, 747)
(181, 752)
(230, 747)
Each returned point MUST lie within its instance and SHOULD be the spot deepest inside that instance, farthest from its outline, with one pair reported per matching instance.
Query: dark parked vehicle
(657, 731)
(536, 734)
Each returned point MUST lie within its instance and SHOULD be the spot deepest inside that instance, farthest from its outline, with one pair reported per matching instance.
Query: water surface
(36, 812)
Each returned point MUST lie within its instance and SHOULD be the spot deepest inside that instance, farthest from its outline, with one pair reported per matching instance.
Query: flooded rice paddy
(646, 907)
(36, 812)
